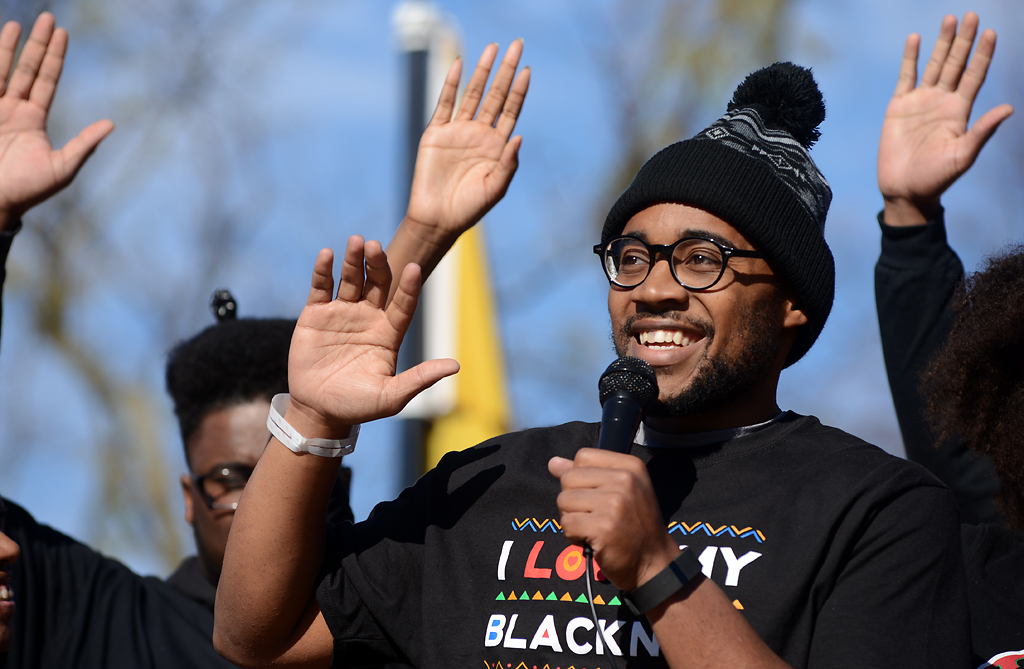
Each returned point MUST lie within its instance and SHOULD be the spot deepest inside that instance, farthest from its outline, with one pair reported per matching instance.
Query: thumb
(508, 163)
(559, 466)
(410, 383)
(78, 149)
(983, 129)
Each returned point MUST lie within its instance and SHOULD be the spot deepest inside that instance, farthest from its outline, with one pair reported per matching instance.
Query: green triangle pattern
(614, 602)
(582, 598)
(551, 598)
(500, 597)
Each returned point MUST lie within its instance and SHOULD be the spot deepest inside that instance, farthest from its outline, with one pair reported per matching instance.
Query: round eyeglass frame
(668, 250)
(198, 480)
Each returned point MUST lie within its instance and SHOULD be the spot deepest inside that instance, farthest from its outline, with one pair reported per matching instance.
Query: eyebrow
(689, 232)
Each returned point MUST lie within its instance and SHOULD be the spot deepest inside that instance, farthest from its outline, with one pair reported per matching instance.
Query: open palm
(926, 144)
(465, 164)
(344, 353)
(30, 169)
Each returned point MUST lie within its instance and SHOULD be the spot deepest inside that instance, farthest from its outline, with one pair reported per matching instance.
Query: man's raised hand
(344, 353)
(925, 144)
(465, 163)
(30, 169)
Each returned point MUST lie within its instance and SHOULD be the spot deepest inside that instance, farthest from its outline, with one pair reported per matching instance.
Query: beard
(720, 380)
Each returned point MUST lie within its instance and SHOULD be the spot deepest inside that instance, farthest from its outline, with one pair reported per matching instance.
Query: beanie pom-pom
(787, 98)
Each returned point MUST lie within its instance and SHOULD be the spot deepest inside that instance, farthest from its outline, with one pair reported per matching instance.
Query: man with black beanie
(732, 533)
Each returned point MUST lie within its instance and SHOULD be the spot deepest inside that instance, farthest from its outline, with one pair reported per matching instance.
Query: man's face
(235, 436)
(8, 555)
(708, 348)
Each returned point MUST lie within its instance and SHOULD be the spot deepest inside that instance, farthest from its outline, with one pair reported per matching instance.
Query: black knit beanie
(751, 168)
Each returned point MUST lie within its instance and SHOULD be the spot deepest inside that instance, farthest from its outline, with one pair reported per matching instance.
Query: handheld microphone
(626, 388)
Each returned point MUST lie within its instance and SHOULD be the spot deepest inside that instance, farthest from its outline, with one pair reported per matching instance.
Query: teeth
(672, 337)
(6, 593)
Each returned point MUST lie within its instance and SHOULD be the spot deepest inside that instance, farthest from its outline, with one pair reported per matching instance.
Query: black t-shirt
(995, 572)
(835, 552)
(77, 608)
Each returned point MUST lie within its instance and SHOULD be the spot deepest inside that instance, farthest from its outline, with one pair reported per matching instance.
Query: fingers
(321, 288)
(378, 275)
(514, 104)
(31, 57)
(908, 68)
(403, 305)
(450, 89)
(49, 72)
(959, 52)
(475, 87)
(73, 155)
(978, 69)
(501, 176)
(9, 36)
(350, 288)
(947, 33)
(495, 99)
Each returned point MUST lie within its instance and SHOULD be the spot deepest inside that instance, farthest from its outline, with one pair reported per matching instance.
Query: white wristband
(287, 435)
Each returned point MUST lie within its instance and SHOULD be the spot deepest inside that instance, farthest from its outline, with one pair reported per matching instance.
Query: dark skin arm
(341, 371)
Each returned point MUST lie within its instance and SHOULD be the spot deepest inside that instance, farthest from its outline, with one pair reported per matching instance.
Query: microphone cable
(588, 561)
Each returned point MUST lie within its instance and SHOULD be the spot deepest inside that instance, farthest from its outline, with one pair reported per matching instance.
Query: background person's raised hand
(30, 169)
(926, 144)
(344, 353)
(465, 162)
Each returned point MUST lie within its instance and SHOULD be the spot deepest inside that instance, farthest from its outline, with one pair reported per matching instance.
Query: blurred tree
(98, 265)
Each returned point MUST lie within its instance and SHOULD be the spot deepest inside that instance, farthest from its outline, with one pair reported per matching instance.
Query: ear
(186, 492)
(793, 316)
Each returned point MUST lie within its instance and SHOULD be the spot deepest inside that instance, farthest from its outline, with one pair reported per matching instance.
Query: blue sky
(323, 94)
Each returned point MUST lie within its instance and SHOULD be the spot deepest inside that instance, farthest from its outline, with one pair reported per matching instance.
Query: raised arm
(465, 163)
(30, 169)
(926, 144)
(925, 147)
(341, 372)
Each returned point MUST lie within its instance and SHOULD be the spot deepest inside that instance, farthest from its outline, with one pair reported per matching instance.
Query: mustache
(685, 321)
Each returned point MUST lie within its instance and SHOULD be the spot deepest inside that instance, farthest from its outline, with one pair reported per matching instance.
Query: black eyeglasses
(222, 486)
(697, 263)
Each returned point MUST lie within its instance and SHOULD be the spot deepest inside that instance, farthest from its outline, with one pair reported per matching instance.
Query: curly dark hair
(975, 384)
(230, 363)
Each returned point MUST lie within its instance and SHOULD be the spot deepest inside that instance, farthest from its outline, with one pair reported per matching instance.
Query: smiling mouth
(666, 338)
(6, 593)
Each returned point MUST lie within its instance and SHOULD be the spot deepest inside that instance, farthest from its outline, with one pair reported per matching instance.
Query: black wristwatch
(666, 583)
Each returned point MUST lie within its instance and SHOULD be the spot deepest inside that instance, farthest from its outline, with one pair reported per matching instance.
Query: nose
(9, 551)
(660, 287)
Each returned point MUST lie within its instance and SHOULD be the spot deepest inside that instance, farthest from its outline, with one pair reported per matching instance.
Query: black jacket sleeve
(6, 237)
(915, 279)
(77, 608)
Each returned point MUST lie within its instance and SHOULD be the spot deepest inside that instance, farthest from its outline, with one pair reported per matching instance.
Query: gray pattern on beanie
(744, 130)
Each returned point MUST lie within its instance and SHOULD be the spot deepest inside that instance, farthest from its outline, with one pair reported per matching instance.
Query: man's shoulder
(527, 444)
(841, 454)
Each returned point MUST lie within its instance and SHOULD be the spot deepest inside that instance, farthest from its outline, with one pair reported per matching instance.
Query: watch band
(296, 443)
(666, 583)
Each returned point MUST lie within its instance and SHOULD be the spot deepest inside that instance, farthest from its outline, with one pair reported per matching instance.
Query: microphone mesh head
(632, 375)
